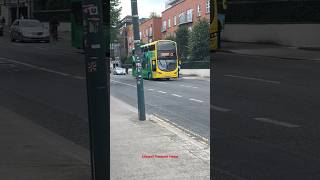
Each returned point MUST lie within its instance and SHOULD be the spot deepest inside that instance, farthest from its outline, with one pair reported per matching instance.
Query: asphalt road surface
(264, 111)
(184, 102)
(45, 83)
(267, 127)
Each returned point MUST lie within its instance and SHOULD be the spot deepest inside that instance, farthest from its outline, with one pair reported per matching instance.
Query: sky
(145, 7)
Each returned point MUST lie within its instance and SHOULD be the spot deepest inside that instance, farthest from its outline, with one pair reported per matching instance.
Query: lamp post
(138, 60)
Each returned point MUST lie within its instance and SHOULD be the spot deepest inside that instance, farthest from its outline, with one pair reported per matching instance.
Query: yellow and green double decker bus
(159, 60)
(217, 18)
(214, 25)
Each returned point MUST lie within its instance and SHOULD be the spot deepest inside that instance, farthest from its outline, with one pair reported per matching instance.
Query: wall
(155, 24)
(298, 35)
(180, 8)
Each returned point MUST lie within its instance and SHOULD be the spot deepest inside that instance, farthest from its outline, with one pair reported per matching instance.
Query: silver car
(28, 30)
(119, 71)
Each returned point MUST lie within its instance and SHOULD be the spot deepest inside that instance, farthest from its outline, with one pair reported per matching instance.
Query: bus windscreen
(167, 56)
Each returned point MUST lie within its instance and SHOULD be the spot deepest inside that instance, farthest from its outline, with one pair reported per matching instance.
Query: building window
(182, 18)
(199, 10)
(169, 23)
(189, 15)
(175, 20)
(150, 31)
(140, 35)
(147, 33)
(208, 6)
(164, 26)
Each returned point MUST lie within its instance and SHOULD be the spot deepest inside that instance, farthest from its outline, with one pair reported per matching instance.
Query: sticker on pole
(92, 66)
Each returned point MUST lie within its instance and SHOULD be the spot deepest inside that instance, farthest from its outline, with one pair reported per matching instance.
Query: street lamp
(138, 61)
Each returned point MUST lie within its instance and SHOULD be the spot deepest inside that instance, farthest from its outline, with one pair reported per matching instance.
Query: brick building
(150, 30)
(130, 39)
(124, 29)
(183, 13)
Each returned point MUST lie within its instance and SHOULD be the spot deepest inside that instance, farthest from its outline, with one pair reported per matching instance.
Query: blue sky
(145, 7)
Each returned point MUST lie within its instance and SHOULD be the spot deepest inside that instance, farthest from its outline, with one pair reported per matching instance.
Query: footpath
(154, 149)
(30, 152)
(271, 50)
(139, 150)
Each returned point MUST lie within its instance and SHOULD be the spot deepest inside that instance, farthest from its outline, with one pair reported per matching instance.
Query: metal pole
(18, 6)
(97, 87)
(136, 37)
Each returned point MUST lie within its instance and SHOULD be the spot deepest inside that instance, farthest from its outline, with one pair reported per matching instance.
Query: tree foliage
(171, 37)
(199, 41)
(115, 11)
(154, 14)
(182, 37)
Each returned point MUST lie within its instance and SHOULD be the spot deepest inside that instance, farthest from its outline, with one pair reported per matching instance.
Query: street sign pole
(136, 37)
(97, 88)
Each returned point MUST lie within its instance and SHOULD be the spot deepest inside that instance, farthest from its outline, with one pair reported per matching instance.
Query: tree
(182, 36)
(115, 11)
(199, 41)
(153, 14)
(171, 37)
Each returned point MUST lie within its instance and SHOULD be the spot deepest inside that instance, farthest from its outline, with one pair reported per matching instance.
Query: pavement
(270, 50)
(153, 149)
(31, 152)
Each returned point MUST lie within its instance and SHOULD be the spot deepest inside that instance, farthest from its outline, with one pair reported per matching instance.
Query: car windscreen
(30, 24)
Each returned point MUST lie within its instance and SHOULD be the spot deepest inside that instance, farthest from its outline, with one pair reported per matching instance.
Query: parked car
(119, 71)
(1, 29)
(29, 30)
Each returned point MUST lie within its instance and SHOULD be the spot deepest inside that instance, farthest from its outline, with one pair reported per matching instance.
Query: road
(46, 84)
(267, 127)
(184, 102)
(264, 111)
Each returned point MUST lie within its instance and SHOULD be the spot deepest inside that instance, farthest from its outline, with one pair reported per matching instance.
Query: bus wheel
(168, 79)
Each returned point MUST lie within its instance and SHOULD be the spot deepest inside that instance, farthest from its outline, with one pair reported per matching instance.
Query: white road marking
(275, 122)
(220, 108)
(39, 68)
(176, 95)
(196, 100)
(123, 83)
(187, 86)
(42, 48)
(78, 77)
(162, 92)
(254, 79)
(151, 89)
(163, 83)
